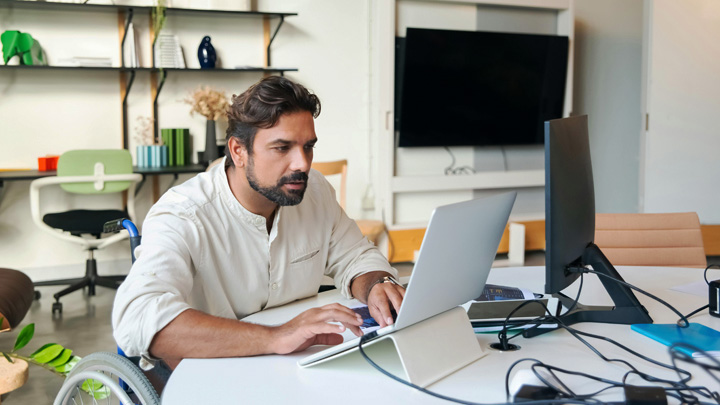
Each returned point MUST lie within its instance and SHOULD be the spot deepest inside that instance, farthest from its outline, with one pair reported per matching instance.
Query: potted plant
(52, 357)
(211, 104)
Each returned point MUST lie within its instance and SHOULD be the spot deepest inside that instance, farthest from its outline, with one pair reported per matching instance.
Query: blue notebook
(704, 338)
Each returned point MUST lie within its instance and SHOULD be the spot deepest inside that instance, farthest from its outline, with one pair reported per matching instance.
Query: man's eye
(281, 148)
(310, 147)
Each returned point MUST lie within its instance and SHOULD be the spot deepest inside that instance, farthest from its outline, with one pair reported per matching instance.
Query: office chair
(86, 172)
(372, 229)
(672, 240)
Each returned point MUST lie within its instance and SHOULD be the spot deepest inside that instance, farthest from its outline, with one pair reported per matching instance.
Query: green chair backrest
(86, 162)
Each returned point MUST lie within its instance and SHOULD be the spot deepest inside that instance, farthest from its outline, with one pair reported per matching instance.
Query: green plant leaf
(102, 393)
(95, 388)
(8, 358)
(65, 368)
(24, 336)
(47, 354)
(63, 358)
(90, 385)
(43, 347)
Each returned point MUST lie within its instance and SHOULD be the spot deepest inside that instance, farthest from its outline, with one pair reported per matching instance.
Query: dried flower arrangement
(145, 131)
(208, 102)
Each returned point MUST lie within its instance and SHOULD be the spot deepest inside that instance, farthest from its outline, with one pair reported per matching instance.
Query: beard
(275, 193)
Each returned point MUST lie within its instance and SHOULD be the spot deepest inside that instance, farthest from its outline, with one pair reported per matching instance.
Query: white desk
(278, 379)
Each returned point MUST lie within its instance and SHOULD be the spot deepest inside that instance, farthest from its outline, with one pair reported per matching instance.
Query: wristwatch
(386, 279)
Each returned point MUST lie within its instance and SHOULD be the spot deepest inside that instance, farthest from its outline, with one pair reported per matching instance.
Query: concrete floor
(84, 327)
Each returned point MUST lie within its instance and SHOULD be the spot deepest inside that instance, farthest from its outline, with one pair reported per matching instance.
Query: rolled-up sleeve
(158, 286)
(350, 253)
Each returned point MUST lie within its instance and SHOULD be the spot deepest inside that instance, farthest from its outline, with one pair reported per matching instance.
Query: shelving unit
(158, 75)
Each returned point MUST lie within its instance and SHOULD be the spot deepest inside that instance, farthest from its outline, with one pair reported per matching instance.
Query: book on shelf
(178, 145)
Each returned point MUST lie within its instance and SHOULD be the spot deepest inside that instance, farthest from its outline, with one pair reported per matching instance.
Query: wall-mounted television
(473, 88)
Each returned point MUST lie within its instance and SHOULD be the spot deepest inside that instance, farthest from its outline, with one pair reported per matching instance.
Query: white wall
(49, 112)
(679, 159)
(608, 59)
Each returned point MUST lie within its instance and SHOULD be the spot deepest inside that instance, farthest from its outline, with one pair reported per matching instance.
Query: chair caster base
(57, 306)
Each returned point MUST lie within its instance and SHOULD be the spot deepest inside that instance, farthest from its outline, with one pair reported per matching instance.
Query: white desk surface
(278, 379)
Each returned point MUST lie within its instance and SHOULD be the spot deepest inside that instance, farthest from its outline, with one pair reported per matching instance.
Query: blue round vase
(206, 54)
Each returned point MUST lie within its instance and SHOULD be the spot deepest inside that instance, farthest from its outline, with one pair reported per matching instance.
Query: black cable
(706, 306)
(674, 385)
(577, 297)
(683, 322)
(505, 165)
(452, 170)
(370, 336)
(708, 268)
(706, 282)
(677, 388)
(449, 169)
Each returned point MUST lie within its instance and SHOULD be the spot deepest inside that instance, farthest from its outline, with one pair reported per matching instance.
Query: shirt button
(274, 286)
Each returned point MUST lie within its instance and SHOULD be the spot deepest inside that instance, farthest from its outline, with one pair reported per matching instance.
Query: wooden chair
(672, 240)
(372, 229)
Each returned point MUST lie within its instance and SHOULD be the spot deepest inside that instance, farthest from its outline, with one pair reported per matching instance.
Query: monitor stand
(627, 309)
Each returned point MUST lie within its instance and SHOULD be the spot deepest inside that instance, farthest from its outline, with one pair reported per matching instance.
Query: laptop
(452, 267)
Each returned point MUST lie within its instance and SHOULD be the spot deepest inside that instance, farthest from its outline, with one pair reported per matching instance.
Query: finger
(321, 327)
(395, 299)
(332, 315)
(381, 303)
(355, 330)
(377, 316)
(401, 290)
(345, 310)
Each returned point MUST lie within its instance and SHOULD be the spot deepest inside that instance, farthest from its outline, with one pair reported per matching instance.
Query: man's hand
(313, 327)
(382, 299)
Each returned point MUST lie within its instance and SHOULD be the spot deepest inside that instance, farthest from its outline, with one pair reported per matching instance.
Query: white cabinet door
(680, 169)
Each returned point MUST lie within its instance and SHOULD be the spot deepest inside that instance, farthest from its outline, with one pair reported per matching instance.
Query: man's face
(279, 165)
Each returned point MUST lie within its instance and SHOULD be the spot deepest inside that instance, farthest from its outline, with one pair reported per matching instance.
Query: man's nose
(301, 160)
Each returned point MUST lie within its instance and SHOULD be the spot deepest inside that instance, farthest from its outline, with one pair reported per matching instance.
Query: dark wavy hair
(262, 105)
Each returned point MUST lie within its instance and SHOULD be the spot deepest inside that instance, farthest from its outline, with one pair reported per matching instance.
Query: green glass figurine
(23, 45)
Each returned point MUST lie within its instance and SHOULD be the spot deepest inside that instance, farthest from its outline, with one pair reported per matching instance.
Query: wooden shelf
(149, 69)
(53, 5)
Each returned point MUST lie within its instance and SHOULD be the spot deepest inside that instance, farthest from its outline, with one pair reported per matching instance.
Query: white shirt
(202, 249)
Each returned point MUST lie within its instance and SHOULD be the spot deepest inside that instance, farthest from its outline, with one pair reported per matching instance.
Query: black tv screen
(471, 88)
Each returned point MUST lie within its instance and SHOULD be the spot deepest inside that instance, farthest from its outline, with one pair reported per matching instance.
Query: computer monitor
(570, 226)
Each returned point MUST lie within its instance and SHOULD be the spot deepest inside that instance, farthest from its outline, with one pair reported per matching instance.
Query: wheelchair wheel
(106, 368)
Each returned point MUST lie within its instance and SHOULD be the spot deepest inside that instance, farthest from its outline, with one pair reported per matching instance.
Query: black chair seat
(79, 222)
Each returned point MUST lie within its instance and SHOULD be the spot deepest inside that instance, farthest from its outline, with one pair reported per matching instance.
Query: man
(256, 232)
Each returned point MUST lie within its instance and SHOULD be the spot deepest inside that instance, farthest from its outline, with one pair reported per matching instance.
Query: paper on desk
(699, 288)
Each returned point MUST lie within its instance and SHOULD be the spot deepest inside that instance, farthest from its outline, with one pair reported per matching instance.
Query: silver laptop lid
(455, 256)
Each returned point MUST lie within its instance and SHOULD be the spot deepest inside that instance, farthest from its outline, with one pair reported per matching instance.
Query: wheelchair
(104, 377)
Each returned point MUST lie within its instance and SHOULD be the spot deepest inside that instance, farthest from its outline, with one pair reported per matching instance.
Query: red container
(47, 163)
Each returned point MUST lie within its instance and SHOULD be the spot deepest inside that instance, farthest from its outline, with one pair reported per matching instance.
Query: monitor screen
(569, 199)
(466, 88)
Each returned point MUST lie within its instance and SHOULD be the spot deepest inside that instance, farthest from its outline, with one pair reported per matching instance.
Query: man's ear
(238, 152)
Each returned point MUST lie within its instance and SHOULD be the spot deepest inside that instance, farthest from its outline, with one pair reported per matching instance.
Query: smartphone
(497, 311)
